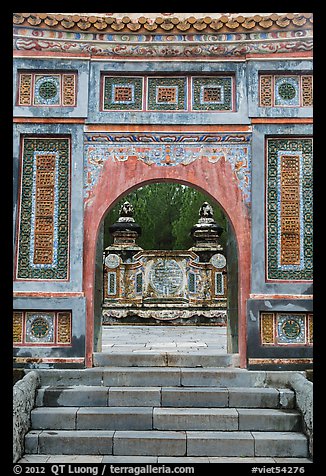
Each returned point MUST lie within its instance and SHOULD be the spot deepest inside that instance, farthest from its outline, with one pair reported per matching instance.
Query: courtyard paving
(181, 339)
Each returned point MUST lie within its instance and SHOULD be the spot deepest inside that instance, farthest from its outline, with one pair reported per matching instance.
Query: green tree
(166, 212)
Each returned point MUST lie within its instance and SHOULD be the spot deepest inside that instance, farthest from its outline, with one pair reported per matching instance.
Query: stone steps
(164, 359)
(149, 418)
(165, 411)
(156, 376)
(206, 397)
(167, 443)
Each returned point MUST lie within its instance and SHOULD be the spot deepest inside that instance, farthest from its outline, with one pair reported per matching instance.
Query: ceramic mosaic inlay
(122, 93)
(168, 150)
(47, 89)
(17, 327)
(39, 328)
(280, 328)
(212, 94)
(267, 328)
(285, 90)
(289, 209)
(167, 93)
(44, 209)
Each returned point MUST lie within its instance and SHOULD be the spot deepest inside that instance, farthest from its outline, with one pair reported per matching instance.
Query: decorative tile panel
(18, 327)
(291, 328)
(43, 239)
(219, 283)
(266, 90)
(289, 209)
(168, 93)
(267, 328)
(280, 328)
(122, 93)
(42, 328)
(25, 90)
(286, 91)
(212, 94)
(47, 89)
(310, 329)
(306, 91)
(293, 90)
(64, 328)
(39, 327)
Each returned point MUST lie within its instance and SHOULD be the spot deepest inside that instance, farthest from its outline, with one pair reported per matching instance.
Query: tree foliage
(166, 212)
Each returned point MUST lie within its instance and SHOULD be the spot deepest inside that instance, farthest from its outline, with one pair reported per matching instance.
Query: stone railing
(23, 402)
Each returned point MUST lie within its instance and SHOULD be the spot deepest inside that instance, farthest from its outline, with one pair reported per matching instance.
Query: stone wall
(23, 402)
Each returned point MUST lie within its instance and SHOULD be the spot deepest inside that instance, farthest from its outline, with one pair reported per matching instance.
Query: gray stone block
(128, 358)
(287, 444)
(64, 377)
(150, 443)
(244, 397)
(114, 418)
(141, 377)
(227, 377)
(79, 396)
(46, 418)
(135, 396)
(32, 442)
(220, 443)
(195, 419)
(194, 397)
(197, 359)
(76, 442)
(257, 419)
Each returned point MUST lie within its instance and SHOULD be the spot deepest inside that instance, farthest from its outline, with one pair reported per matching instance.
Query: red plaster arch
(217, 180)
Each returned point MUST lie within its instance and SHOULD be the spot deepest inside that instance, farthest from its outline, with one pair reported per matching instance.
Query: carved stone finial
(126, 213)
(206, 213)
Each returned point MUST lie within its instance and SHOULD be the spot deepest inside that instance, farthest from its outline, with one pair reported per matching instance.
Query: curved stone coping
(24, 392)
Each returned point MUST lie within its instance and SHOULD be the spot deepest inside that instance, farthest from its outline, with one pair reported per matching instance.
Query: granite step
(207, 397)
(164, 359)
(148, 418)
(167, 443)
(154, 376)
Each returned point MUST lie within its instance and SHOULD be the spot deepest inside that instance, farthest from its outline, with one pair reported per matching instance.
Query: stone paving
(151, 339)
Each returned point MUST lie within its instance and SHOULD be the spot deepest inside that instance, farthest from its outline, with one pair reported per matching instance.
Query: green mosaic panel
(302, 149)
(212, 94)
(167, 94)
(55, 264)
(122, 93)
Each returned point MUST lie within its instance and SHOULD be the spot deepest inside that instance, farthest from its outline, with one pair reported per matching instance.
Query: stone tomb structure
(142, 286)
(106, 103)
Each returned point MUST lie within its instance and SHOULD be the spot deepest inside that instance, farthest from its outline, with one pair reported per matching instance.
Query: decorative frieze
(289, 209)
(295, 90)
(168, 150)
(43, 237)
(42, 328)
(46, 89)
(285, 328)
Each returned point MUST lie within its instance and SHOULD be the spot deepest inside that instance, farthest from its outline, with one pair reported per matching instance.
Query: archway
(216, 179)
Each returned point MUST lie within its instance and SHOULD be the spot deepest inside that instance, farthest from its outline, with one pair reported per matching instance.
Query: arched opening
(169, 210)
(216, 180)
